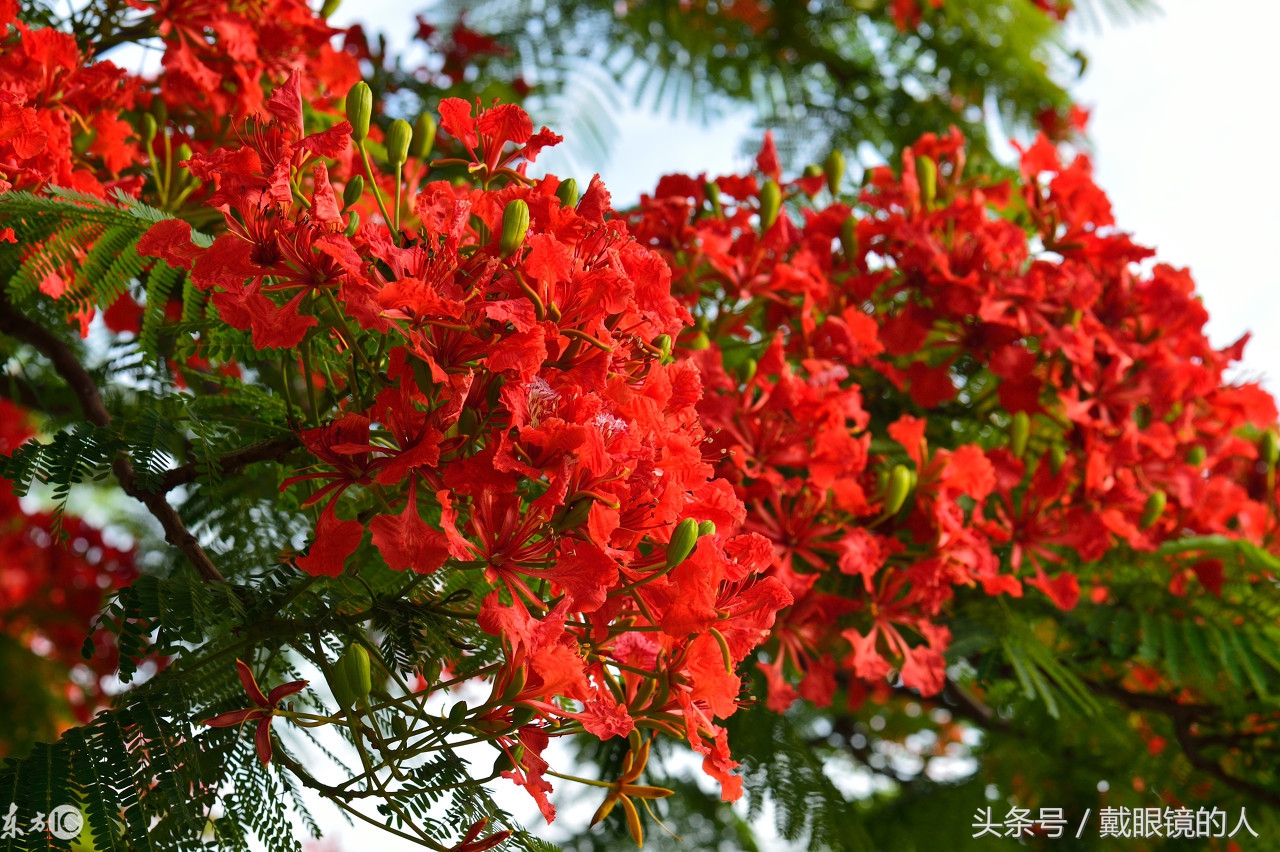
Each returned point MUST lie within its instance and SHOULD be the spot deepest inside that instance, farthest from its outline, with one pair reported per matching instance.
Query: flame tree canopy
(916, 510)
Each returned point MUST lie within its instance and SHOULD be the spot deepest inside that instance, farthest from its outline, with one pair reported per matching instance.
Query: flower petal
(251, 685)
(235, 717)
(284, 690)
(262, 740)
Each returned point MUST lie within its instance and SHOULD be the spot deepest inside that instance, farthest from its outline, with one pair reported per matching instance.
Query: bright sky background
(1182, 131)
(1183, 123)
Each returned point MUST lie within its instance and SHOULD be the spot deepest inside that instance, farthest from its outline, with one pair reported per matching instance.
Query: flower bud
(895, 493)
(355, 665)
(458, 712)
(567, 192)
(663, 343)
(399, 135)
(515, 226)
(833, 167)
(468, 422)
(360, 110)
(149, 128)
(849, 237)
(749, 370)
(431, 671)
(1019, 431)
(1270, 447)
(706, 528)
(340, 686)
(682, 542)
(1196, 455)
(399, 726)
(352, 191)
(770, 204)
(160, 110)
(184, 152)
(522, 715)
(506, 761)
(712, 189)
(1057, 458)
(812, 170)
(424, 135)
(1154, 509)
(353, 223)
(329, 7)
(515, 685)
(927, 175)
(699, 341)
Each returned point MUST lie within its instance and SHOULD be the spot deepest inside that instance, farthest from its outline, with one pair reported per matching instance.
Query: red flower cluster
(527, 409)
(830, 339)
(51, 591)
(60, 117)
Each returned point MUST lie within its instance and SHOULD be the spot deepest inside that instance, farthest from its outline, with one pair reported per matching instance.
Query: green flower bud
(352, 192)
(682, 542)
(749, 369)
(1154, 509)
(431, 671)
(1057, 458)
(184, 152)
(149, 128)
(1270, 447)
(1196, 455)
(160, 111)
(521, 716)
(812, 170)
(663, 342)
(355, 665)
(424, 135)
(895, 495)
(699, 341)
(706, 528)
(515, 227)
(502, 763)
(515, 685)
(399, 135)
(352, 224)
(458, 712)
(567, 192)
(468, 422)
(360, 110)
(329, 7)
(340, 686)
(927, 175)
(833, 167)
(849, 238)
(399, 726)
(1019, 431)
(712, 189)
(770, 204)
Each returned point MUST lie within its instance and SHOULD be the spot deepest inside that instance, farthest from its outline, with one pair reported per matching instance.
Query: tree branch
(1183, 716)
(268, 450)
(68, 366)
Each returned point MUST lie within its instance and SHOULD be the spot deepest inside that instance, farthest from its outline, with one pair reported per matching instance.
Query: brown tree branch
(68, 366)
(1183, 716)
(268, 450)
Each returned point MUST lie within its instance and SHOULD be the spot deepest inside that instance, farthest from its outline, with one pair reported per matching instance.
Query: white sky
(1182, 127)
(1183, 123)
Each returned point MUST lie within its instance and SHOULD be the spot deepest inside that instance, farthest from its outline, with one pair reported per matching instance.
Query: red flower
(264, 709)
